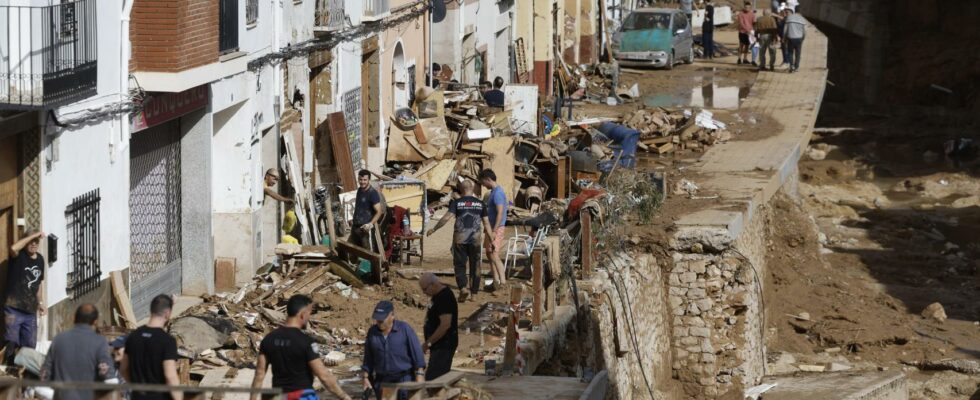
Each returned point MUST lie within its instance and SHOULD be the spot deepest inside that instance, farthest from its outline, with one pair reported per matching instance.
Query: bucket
(325, 240)
(363, 267)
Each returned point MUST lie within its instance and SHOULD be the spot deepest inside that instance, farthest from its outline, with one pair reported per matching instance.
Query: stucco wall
(411, 35)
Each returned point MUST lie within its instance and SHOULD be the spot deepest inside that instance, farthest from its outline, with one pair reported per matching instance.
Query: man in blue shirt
(392, 352)
(497, 213)
(495, 96)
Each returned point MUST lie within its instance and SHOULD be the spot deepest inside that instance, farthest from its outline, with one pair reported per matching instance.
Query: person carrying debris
(151, 353)
(794, 32)
(471, 215)
(495, 97)
(367, 212)
(441, 329)
(25, 274)
(78, 355)
(294, 357)
(746, 24)
(765, 30)
(392, 352)
(497, 214)
(270, 180)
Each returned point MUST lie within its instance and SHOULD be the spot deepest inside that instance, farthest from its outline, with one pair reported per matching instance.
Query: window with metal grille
(83, 244)
(251, 12)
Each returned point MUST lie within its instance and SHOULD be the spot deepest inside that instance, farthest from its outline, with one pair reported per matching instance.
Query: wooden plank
(121, 296)
(664, 148)
(302, 198)
(537, 291)
(657, 140)
(347, 249)
(510, 341)
(224, 273)
(444, 381)
(585, 216)
(420, 134)
(501, 152)
(564, 177)
(346, 275)
(301, 283)
(437, 176)
(341, 151)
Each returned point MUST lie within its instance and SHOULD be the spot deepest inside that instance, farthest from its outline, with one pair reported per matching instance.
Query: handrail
(8, 383)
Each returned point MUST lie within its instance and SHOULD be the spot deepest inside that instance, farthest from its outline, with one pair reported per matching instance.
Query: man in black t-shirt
(25, 273)
(367, 211)
(151, 353)
(441, 329)
(471, 215)
(294, 357)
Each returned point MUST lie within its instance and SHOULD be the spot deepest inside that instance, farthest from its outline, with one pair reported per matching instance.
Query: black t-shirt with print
(24, 276)
(443, 303)
(364, 202)
(469, 212)
(290, 351)
(147, 348)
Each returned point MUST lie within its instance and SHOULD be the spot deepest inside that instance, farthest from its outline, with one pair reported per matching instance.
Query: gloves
(367, 226)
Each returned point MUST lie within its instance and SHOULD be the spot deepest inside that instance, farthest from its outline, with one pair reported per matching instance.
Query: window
(642, 20)
(69, 21)
(251, 12)
(85, 270)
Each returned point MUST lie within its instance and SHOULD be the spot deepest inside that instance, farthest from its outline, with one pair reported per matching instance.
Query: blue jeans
(795, 48)
(21, 330)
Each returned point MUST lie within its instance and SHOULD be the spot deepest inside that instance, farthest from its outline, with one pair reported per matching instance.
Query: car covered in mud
(657, 37)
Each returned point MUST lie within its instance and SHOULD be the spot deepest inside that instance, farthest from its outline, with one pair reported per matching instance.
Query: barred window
(85, 270)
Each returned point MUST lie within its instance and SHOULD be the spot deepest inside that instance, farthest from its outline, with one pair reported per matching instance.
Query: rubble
(935, 312)
(666, 131)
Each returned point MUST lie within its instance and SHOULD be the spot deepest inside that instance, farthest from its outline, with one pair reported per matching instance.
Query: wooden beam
(510, 344)
(537, 291)
(346, 250)
(346, 275)
(121, 296)
(586, 217)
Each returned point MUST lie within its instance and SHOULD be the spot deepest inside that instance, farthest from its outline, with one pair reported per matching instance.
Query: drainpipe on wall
(124, 54)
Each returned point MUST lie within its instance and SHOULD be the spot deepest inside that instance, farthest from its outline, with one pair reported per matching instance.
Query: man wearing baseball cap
(392, 352)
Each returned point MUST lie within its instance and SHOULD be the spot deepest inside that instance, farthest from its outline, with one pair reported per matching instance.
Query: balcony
(329, 16)
(376, 10)
(47, 54)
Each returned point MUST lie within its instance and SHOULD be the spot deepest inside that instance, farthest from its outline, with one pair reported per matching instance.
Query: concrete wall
(197, 250)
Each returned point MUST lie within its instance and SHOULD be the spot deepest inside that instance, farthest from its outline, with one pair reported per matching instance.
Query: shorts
(743, 39)
(498, 240)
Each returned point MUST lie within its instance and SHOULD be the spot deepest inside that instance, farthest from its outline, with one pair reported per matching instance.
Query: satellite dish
(438, 10)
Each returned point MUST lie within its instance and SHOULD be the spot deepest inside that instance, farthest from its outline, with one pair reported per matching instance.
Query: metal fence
(83, 244)
(48, 54)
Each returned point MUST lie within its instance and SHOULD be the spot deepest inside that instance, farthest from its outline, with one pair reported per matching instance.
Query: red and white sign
(162, 107)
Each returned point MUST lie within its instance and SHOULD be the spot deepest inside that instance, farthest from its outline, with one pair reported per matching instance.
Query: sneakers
(739, 61)
(463, 295)
(754, 64)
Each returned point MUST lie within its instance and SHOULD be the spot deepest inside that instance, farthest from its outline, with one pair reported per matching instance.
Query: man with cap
(392, 352)
(270, 180)
(78, 355)
(294, 357)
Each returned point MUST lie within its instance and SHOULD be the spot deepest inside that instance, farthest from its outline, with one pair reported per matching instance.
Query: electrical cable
(762, 303)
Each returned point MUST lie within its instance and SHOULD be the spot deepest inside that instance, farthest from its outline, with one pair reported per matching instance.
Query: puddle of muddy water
(710, 91)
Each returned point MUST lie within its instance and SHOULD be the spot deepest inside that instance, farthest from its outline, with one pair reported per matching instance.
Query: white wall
(74, 162)
(231, 187)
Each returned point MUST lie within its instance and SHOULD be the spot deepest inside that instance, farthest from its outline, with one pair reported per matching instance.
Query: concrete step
(884, 385)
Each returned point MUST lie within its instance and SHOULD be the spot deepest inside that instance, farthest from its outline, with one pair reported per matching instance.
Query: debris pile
(664, 131)
(226, 329)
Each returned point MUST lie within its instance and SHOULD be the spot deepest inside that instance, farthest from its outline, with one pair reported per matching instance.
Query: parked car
(658, 37)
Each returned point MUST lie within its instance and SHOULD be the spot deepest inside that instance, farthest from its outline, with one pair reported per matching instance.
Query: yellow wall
(411, 35)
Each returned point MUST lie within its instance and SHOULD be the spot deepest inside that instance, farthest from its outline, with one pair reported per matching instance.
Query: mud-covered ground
(884, 226)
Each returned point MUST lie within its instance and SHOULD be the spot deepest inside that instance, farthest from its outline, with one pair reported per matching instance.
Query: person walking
(471, 216)
(441, 326)
(367, 212)
(708, 30)
(24, 302)
(687, 6)
(766, 29)
(795, 32)
(151, 353)
(497, 213)
(746, 24)
(79, 354)
(780, 27)
(294, 357)
(392, 352)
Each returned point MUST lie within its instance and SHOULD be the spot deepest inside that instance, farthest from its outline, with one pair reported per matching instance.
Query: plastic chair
(521, 246)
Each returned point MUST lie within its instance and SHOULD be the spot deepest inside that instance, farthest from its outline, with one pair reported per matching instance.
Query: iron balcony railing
(48, 54)
(329, 15)
(376, 10)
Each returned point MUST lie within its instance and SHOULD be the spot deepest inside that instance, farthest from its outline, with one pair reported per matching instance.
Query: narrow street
(489, 199)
